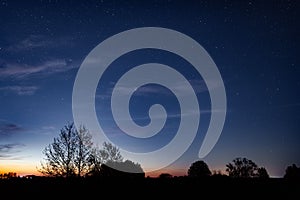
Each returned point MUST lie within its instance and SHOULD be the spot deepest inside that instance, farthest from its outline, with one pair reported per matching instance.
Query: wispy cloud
(8, 151)
(49, 128)
(11, 69)
(39, 41)
(8, 128)
(20, 90)
(199, 86)
(46, 68)
(189, 113)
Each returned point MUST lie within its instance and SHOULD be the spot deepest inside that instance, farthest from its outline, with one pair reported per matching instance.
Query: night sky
(253, 43)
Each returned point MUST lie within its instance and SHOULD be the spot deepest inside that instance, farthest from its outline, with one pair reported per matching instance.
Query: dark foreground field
(100, 188)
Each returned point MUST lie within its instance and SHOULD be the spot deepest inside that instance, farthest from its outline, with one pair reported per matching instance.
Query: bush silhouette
(245, 168)
(199, 169)
(126, 169)
(292, 172)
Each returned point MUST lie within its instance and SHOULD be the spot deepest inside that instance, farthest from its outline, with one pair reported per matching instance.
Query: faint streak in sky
(8, 128)
(199, 87)
(20, 90)
(39, 41)
(24, 71)
(7, 151)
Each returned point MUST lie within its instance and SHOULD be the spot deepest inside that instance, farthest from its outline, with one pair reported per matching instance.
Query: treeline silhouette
(73, 165)
(213, 186)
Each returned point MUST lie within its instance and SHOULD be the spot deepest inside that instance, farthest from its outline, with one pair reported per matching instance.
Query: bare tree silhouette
(108, 153)
(69, 153)
(72, 154)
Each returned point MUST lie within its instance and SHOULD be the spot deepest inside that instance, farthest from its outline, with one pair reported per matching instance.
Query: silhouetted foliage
(165, 175)
(245, 168)
(95, 162)
(292, 172)
(69, 153)
(109, 153)
(82, 151)
(199, 169)
(242, 168)
(72, 154)
(126, 169)
(8, 175)
(262, 173)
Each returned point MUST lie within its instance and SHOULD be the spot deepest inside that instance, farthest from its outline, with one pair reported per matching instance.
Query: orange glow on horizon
(173, 172)
(20, 169)
(23, 169)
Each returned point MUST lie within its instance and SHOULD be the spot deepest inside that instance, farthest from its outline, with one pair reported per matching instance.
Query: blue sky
(253, 43)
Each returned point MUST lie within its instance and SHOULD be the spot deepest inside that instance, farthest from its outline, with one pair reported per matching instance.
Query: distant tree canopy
(245, 168)
(292, 172)
(262, 173)
(126, 169)
(165, 175)
(8, 175)
(72, 154)
(199, 169)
